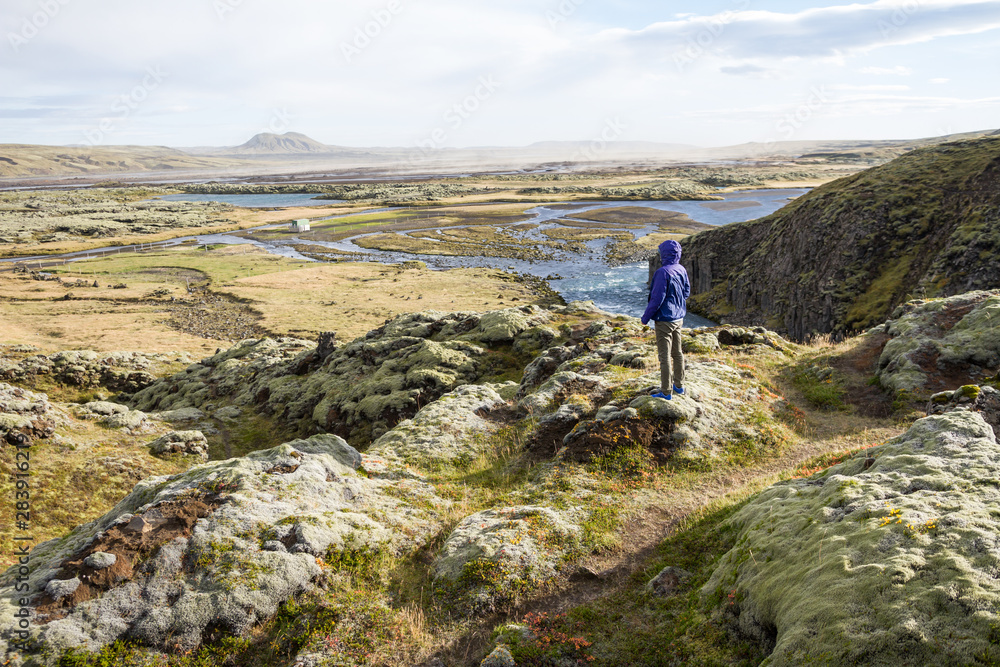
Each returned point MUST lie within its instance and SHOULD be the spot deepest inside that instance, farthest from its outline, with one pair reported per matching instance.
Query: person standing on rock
(667, 307)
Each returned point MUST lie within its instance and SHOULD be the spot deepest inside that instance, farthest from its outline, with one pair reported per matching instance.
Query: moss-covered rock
(216, 549)
(188, 443)
(495, 557)
(874, 562)
(115, 371)
(359, 390)
(941, 344)
(27, 413)
(448, 431)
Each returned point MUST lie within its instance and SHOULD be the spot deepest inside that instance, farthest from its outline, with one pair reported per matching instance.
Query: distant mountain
(290, 143)
(33, 161)
(842, 257)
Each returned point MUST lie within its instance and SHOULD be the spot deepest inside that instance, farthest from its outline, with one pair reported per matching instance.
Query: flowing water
(575, 276)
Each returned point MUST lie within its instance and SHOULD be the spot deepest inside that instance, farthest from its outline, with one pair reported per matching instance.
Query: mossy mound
(359, 390)
(115, 371)
(941, 344)
(25, 415)
(451, 430)
(881, 560)
(214, 550)
(495, 557)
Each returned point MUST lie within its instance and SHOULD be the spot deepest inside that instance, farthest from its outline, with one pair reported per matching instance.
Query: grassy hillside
(843, 257)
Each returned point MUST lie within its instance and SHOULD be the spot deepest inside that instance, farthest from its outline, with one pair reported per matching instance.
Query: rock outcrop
(941, 344)
(115, 371)
(360, 390)
(217, 548)
(886, 558)
(25, 415)
(842, 257)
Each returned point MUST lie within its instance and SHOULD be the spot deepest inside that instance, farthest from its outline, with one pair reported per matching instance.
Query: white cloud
(830, 32)
(871, 88)
(228, 75)
(940, 81)
(898, 70)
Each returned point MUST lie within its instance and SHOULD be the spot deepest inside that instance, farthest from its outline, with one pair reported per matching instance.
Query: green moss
(629, 627)
(969, 391)
(364, 560)
(872, 307)
(629, 460)
(600, 530)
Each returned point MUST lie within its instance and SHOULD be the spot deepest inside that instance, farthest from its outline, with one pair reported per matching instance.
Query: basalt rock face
(841, 258)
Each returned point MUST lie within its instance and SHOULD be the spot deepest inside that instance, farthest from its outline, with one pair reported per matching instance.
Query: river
(575, 276)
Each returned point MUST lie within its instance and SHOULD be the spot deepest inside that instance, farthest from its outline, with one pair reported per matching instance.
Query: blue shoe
(662, 395)
(678, 390)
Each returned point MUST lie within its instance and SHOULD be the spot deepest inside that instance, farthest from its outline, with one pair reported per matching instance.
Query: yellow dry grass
(74, 484)
(100, 319)
(294, 298)
(354, 298)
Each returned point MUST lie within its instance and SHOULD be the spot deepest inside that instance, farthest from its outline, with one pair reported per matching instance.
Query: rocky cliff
(841, 258)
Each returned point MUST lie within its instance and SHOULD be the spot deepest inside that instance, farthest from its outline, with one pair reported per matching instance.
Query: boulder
(188, 443)
(668, 581)
(495, 557)
(941, 344)
(449, 430)
(197, 554)
(130, 420)
(880, 557)
(26, 414)
(179, 416)
(982, 399)
(103, 408)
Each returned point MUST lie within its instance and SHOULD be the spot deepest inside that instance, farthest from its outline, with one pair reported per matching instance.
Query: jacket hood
(670, 252)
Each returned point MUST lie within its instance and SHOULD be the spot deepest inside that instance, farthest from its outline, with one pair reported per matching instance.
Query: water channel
(575, 276)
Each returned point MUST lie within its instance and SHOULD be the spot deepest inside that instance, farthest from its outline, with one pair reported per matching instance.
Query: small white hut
(300, 226)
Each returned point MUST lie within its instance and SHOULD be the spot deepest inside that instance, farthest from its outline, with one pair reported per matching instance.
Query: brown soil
(216, 316)
(948, 318)
(603, 438)
(132, 543)
(943, 376)
(857, 368)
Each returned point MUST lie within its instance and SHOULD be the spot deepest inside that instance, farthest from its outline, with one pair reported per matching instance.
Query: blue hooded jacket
(670, 289)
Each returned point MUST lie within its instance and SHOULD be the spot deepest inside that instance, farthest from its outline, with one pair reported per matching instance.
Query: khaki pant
(668, 347)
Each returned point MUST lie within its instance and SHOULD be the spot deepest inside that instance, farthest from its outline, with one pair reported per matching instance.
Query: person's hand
(644, 321)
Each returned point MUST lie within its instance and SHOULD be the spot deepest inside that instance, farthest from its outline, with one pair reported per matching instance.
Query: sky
(460, 73)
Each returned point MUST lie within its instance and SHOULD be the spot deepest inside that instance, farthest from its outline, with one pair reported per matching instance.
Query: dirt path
(679, 499)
